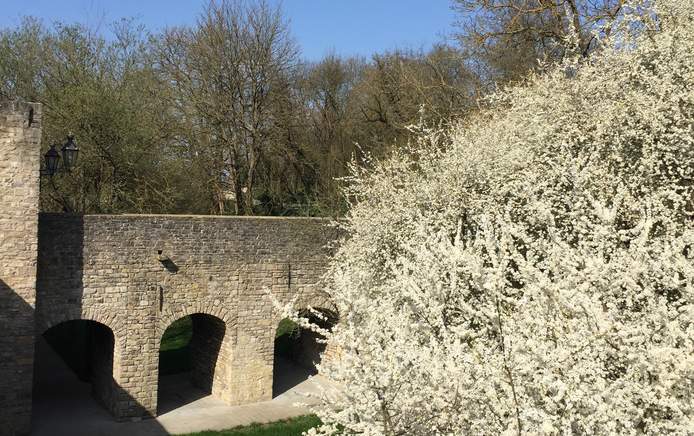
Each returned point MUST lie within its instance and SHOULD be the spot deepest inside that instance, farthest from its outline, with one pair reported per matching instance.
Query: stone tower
(20, 135)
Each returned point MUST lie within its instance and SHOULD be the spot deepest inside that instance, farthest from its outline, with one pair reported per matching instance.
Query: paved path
(63, 406)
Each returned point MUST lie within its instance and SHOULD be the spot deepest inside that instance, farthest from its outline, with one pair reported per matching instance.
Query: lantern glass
(51, 159)
(70, 152)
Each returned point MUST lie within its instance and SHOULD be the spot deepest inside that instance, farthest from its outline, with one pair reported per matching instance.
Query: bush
(530, 270)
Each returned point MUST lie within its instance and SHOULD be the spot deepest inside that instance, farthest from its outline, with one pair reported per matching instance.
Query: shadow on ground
(64, 406)
(288, 374)
(177, 390)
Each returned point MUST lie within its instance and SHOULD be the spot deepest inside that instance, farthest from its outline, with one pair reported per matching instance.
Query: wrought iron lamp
(70, 152)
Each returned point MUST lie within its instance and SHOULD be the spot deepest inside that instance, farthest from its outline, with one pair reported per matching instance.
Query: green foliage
(108, 95)
(285, 338)
(178, 334)
(174, 354)
(162, 120)
(290, 427)
(287, 327)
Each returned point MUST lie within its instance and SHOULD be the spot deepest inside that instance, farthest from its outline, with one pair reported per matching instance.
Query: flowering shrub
(531, 270)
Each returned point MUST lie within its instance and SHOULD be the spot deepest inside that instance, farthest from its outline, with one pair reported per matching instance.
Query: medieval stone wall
(20, 135)
(137, 274)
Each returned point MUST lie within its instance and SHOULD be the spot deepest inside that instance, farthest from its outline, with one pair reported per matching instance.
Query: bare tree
(327, 94)
(508, 37)
(230, 78)
(401, 88)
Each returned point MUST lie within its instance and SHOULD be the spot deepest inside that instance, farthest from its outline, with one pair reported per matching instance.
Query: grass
(287, 332)
(288, 427)
(174, 354)
(286, 327)
(178, 334)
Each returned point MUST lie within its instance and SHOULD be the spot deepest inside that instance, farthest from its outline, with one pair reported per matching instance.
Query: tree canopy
(221, 117)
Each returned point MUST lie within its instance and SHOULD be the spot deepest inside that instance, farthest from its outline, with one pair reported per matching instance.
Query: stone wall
(137, 274)
(20, 135)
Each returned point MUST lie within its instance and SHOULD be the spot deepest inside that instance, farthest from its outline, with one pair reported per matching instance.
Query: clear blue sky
(347, 27)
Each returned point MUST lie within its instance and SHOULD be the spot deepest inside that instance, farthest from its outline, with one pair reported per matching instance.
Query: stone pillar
(251, 369)
(20, 136)
(137, 364)
(253, 354)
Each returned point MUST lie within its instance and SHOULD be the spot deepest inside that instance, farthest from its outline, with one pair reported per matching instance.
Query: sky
(345, 27)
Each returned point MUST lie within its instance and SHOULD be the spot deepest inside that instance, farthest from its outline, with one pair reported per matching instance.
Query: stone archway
(74, 370)
(298, 351)
(49, 320)
(199, 365)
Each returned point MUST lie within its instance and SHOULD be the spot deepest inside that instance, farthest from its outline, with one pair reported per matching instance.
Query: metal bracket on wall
(167, 262)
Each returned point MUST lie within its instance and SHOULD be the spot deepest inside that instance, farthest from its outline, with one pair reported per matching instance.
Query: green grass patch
(178, 334)
(174, 354)
(288, 427)
(287, 332)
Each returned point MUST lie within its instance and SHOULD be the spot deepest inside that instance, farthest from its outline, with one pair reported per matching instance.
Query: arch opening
(73, 374)
(191, 361)
(298, 351)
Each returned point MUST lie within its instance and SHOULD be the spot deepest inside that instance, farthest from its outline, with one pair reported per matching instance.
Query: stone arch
(110, 320)
(174, 313)
(97, 362)
(315, 300)
(295, 357)
(209, 354)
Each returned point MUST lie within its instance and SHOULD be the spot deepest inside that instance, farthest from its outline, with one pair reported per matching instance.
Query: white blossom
(531, 271)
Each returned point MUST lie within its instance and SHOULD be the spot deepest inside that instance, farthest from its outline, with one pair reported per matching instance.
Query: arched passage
(192, 360)
(73, 372)
(298, 350)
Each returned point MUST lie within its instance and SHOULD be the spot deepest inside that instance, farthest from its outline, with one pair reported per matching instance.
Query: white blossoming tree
(531, 271)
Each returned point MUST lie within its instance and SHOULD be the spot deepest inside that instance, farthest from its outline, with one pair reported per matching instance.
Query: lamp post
(70, 151)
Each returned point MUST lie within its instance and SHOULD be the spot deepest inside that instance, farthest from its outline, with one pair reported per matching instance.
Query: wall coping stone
(200, 217)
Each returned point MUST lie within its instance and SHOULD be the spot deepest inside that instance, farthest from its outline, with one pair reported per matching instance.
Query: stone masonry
(108, 269)
(135, 275)
(20, 134)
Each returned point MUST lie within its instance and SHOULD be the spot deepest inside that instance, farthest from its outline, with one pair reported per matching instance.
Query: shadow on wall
(72, 354)
(62, 403)
(16, 357)
(40, 392)
(72, 395)
(75, 390)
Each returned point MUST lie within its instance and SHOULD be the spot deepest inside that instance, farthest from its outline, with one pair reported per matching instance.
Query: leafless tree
(508, 37)
(230, 75)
